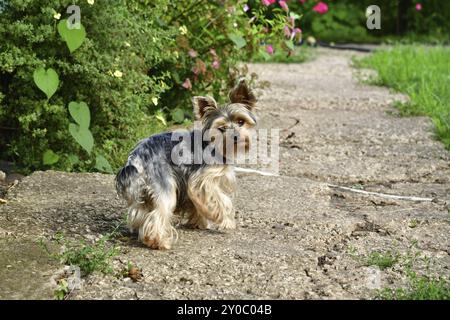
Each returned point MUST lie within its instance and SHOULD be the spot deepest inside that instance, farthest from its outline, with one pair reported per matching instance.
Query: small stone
(2, 176)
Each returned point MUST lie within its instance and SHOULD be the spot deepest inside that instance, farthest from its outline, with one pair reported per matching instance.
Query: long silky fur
(155, 188)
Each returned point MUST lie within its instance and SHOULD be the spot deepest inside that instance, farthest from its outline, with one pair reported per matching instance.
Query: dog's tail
(129, 183)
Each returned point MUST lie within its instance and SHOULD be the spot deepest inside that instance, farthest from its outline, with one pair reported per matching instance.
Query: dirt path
(297, 237)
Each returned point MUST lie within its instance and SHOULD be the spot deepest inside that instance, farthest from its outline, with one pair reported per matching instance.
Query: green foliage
(382, 260)
(88, 257)
(46, 80)
(132, 66)
(342, 23)
(120, 37)
(238, 40)
(422, 73)
(300, 54)
(73, 37)
(49, 157)
(419, 288)
(345, 21)
(62, 290)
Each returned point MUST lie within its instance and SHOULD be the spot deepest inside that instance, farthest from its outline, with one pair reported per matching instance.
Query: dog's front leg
(211, 193)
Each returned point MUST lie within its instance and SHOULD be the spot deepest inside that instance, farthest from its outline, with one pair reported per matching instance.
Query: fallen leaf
(135, 274)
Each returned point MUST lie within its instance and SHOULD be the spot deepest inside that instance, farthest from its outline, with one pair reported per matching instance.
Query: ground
(297, 237)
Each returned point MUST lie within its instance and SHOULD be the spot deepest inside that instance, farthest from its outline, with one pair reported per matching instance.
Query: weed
(419, 288)
(88, 257)
(414, 223)
(382, 259)
(62, 290)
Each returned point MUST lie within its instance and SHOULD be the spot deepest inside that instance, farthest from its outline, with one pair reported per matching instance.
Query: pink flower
(187, 84)
(297, 30)
(284, 5)
(321, 7)
(267, 2)
(216, 64)
(269, 49)
(418, 6)
(287, 31)
(192, 53)
(246, 7)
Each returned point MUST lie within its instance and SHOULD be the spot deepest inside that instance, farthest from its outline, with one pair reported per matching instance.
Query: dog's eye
(240, 122)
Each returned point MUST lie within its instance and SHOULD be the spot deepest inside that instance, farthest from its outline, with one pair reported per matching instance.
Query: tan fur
(153, 219)
(211, 191)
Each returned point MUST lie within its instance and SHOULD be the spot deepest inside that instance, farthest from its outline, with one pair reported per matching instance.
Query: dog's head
(230, 126)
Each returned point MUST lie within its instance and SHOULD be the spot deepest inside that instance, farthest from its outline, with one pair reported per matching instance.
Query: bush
(137, 68)
(118, 39)
(345, 20)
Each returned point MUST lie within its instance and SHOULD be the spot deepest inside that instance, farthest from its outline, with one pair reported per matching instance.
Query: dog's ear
(242, 94)
(203, 106)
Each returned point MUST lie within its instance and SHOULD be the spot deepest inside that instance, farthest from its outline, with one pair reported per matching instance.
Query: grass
(423, 73)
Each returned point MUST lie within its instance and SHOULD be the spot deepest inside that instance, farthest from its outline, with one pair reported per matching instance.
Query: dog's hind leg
(194, 219)
(157, 231)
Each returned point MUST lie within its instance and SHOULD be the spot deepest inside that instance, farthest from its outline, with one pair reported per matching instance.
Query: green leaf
(102, 165)
(160, 117)
(74, 38)
(83, 136)
(264, 54)
(46, 80)
(238, 40)
(294, 15)
(176, 77)
(49, 157)
(73, 159)
(177, 115)
(290, 44)
(80, 113)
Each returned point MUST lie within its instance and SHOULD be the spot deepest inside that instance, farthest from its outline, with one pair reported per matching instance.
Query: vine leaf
(238, 40)
(83, 136)
(177, 115)
(80, 113)
(102, 165)
(49, 157)
(46, 80)
(74, 37)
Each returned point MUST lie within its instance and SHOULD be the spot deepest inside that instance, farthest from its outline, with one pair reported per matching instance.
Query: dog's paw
(197, 223)
(157, 244)
(227, 224)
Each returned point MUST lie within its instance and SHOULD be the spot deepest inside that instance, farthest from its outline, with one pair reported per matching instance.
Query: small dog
(156, 187)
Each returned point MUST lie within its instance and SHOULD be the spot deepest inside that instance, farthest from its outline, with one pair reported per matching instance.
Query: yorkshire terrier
(157, 185)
